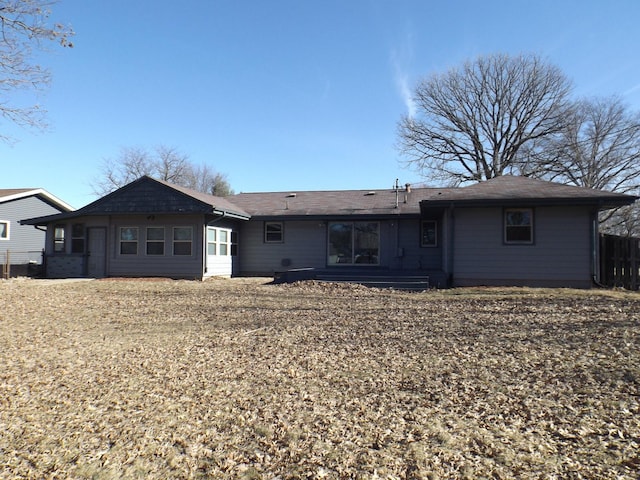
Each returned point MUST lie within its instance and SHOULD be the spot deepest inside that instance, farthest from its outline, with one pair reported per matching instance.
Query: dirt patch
(240, 379)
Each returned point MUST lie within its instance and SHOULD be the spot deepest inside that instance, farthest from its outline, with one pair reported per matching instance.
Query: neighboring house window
(128, 240)
(354, 243)
(182, 240)
(518, 225)
(273, 232)
(219, 241)
(77, 238)
(58, 239)
(4, 230)
(429, 233)
(155, 240)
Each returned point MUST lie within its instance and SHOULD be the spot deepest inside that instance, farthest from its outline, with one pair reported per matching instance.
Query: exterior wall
(305, 246)
(559, 257)
(139, 265)
(25, 242)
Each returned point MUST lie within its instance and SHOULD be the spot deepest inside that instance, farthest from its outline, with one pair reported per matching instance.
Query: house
(21, 246)
(146, 228)
(506, 231)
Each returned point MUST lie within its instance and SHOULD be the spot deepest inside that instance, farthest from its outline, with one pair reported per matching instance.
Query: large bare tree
(472, 121)
(25, 28)
(599, 148)
(164, 163)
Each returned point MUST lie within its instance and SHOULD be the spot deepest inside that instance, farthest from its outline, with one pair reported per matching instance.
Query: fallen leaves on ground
(241, 379)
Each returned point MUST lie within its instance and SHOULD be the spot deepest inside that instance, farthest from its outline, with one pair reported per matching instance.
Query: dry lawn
(240, 379)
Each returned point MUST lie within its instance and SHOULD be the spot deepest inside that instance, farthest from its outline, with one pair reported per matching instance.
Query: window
(219, 241)
(429, 233)
(182, 240)
(58, 238)
(128, 240)
(77, 238)
(273, 232)
(212, 241)
(518, 225)
(4, 230)
(234, 243)
(155, 240)
(354, 243)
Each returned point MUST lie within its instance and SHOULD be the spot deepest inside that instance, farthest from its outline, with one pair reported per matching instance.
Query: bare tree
(204, 179)
(24, 28)
(598, 148)
(472, 121)
(164, 163)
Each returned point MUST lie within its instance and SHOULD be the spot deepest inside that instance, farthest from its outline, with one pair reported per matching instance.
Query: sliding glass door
(354, 243)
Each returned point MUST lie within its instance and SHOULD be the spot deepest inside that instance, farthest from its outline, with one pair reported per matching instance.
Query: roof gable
(149, 196)
(12, 194)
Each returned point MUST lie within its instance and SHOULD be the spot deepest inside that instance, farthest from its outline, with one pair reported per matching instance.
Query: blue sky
(287, 95)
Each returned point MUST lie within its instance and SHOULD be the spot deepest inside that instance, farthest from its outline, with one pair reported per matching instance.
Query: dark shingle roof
(505, 190)
(509, 189)
(333, 203)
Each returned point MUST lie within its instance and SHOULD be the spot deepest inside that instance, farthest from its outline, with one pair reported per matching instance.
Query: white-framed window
(273, 232)
(128, 240)
(354, 243)
(182, 240)
(219, 241)
(428, 233)
(4, 229)
(59, 238)
(518, 226)
(155, 241)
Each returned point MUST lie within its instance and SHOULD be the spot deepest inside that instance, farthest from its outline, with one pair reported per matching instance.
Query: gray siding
(304, 246)
(560, 255)
(141, 264)
(25, 241)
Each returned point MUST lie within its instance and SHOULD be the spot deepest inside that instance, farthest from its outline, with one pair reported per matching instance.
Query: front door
(97, 252)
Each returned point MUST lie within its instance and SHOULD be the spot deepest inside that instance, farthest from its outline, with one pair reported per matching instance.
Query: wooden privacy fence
(620, 261)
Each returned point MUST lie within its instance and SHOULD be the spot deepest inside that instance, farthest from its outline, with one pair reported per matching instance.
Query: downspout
(450, 245)
(595, 249)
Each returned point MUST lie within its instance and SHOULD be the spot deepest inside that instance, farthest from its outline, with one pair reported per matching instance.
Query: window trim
(60, 241)
(136, 241)
(8, 230)
(218, 242)
(175, 242)
(266, 232)
(353, 260)
(75, 238)
(162, 242)
(435, 236)
(530, 226)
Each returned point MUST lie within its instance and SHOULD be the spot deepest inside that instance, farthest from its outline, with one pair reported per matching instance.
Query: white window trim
(531, 227)
(8, 223)
(281, 240)
(218, 242)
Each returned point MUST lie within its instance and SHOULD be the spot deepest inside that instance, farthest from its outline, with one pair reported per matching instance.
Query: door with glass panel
(354, 243)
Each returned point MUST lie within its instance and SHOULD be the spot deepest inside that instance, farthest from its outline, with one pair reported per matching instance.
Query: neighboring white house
(21, 246)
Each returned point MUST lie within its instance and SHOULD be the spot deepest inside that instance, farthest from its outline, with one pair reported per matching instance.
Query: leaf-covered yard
(240, 379)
